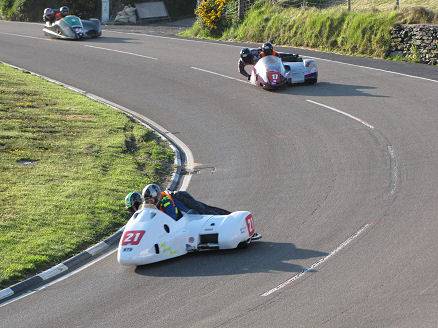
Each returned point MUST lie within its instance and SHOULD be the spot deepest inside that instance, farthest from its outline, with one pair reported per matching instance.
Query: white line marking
(177, 39)
(316, 264)
(319, 58)
(54, 271)
(374, 69)
(343, 113)
(426, 290)
(26, 36)
(6, 293)
(59, 279)
(122, 52)
(99, 247)
(78, 269)
(394, 169)
(218, 74)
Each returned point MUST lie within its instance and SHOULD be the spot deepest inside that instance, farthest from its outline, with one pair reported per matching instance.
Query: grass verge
(365, 32)
(66, 163)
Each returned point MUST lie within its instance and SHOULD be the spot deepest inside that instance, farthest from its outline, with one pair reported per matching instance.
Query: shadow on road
(258, 257)
(115, 40)
(328, 89)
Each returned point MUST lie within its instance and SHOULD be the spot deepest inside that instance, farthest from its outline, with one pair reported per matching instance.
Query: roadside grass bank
(364, 33)
(66, 164)
(390, 4)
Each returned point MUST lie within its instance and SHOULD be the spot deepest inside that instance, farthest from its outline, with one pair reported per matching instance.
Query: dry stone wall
(417, 42)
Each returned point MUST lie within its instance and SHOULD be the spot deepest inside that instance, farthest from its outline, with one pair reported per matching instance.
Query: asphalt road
(344, 196)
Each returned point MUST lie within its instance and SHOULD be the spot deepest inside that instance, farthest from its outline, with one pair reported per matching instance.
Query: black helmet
(64, 10)
(244, 53)
(151, 192)
(267, 48)
(133, 200)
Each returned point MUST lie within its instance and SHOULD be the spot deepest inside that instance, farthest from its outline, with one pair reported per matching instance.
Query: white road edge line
(343, 113)
(26, 36)
(218, 74)
(318, 263)
(394, 168)
(172, 38)
(59, 279)
(312, 57)
(374, 69)
(122, 52)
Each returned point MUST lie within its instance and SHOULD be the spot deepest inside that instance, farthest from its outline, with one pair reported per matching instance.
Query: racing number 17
(132, 237)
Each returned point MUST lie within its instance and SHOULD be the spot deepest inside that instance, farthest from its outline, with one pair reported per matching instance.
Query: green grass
(66, 163)
(386, 5)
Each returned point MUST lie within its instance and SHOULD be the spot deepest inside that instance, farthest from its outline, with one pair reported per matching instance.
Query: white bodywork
(271, 72)
(297, 72)
(152, 236)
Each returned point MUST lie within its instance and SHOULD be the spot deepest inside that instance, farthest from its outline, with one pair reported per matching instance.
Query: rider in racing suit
(133, 202)
(268, 50)
(248, 57)
(53, 15)
(163, 200)
(173, 203)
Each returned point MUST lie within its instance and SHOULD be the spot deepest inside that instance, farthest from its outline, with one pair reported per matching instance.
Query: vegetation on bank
(32, 10)
(335, 29)
(66, 164)
(388, 5)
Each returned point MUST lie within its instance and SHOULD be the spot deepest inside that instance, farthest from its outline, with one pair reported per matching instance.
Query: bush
(32, 10)
(211, 14)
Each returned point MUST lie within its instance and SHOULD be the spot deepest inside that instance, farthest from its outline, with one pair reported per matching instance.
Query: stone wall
(416, 42)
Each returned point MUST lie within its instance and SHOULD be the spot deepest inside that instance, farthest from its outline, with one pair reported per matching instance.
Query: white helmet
(48, 12)
(151, 191)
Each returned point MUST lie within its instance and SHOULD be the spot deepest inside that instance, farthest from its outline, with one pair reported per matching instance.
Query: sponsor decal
(167, 249)
(127, 249)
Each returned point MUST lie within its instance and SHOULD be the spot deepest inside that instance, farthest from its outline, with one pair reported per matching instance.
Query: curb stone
(181, 159)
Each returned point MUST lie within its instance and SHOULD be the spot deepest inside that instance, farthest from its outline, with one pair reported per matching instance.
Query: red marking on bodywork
(250, 225)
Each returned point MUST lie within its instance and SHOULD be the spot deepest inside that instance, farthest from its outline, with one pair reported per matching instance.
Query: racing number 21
(132, 237)
(250, 225)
